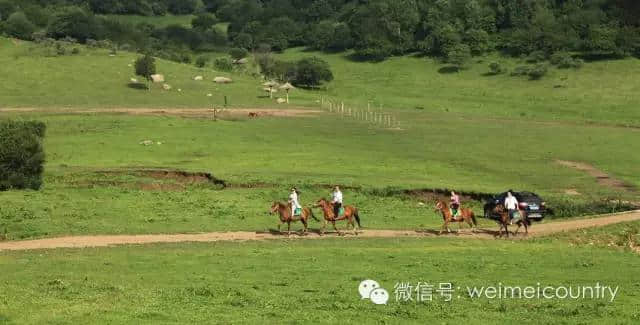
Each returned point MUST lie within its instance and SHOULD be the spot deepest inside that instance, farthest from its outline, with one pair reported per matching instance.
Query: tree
(312, 72)
(459, 55)
(145, 66)
(201, 61)
(18, 26)
(238, 53)
(243, 40)
(7, 7)
(204, 21)
(73, 22)
(21, 154)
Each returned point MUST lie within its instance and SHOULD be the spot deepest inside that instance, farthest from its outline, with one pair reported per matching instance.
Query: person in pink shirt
(455, 203)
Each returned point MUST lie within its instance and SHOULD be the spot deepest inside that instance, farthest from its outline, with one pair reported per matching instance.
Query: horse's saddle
(297, 212)
(454, 213)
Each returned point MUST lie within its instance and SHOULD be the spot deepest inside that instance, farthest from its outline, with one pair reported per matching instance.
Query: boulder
(198, 78)
(241, 61)
(157, 78)
(146, 142)
(281, 100)
(222, 80)
(134, 80)
(166, 86)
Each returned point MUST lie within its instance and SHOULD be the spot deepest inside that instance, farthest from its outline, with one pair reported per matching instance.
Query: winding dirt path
(111, 240)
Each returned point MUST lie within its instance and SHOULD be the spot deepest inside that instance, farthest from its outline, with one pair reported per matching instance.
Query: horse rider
(455, 203)
(511, 203)
(337, 201)
(293, 200)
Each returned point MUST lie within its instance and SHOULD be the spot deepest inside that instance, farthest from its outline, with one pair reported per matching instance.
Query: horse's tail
(357, 216)
(313, 215)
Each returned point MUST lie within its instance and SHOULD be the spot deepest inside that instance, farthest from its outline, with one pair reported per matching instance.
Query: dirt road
(110, 240)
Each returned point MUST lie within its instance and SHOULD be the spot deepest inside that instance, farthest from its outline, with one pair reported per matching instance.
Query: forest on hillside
(373, 29)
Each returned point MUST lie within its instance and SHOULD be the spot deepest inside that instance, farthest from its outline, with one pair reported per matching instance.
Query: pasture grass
(292, 281)
(599, 93)
(91, 185)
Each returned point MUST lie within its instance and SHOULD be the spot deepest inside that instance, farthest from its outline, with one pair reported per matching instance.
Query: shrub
(458, 55)
(204, 21)
(201, 61)
(563, 60)
(238, 53)
(75, 51)
(495, 68)
(18, 26)
(243, 40)
(185, 58)
(535, 57)
(21, 154)
(521, 70)
(537, 72)
(223, 64)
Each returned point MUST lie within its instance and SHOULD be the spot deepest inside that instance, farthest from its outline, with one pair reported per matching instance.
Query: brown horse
(505, 220)
(350, 214)
(465, 214)
(284, 210)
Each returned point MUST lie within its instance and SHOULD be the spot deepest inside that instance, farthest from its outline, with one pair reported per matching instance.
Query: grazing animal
(253, 114)
(465, 215)
(505, 220)
(284, 210)
(350, 214)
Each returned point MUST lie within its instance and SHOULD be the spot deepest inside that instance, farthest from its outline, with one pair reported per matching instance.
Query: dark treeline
(374, 29)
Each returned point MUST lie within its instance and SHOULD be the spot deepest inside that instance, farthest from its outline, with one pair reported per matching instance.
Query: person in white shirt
(337, 201)
(511, 203)
(293, 199)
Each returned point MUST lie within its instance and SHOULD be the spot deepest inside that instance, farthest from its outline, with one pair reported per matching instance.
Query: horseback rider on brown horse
(464, 215)
(505, 220)
(284, 210)
(328, 210)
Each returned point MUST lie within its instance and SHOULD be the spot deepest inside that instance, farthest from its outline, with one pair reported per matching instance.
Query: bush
(75, 51)
(201, 61)
(537, 71)
(223, 64)
(243, 40)
(312, 72)
(18, 26)
(204, 21)
(238, 53)
(563, 60)
(21, 154)
(536, 57)
(521, 70)
(459, 55)
(495, 68)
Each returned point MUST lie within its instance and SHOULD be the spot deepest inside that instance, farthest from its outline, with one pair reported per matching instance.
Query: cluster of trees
(375, 29)
(308, 72)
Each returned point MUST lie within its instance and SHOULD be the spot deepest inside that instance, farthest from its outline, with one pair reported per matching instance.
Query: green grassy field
(463, 137)
(79, 197)
(312, 281)
(601, 92)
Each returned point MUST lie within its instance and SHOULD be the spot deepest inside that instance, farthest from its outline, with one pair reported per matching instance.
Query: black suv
(529, 202)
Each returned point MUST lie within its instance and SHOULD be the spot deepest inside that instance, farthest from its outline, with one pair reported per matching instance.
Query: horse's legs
(288, 228)
(334, 227)
(304, 223)
(279, 224)
(324, 227)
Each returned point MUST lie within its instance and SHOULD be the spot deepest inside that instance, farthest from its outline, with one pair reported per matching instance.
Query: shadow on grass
(136, 85)
(449, 69)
